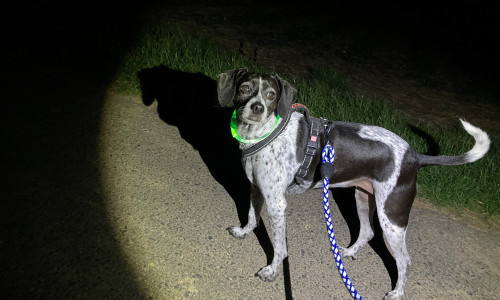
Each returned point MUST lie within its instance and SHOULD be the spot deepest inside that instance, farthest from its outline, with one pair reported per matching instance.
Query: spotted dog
(379, 164)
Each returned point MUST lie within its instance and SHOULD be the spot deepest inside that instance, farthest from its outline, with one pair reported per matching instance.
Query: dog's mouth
(251, 119)
(254, 120)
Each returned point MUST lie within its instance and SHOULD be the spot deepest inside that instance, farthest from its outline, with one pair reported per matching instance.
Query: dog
(378, 163)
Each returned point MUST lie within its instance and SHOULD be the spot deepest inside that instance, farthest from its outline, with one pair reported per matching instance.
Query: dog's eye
(271, 95)
(244, 89)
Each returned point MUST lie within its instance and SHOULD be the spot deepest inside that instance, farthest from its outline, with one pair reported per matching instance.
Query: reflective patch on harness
(314, 138)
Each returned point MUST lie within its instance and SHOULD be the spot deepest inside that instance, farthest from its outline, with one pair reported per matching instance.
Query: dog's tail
(478, 151)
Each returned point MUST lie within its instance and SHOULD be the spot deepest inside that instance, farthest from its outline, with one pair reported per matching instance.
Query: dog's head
(256, 97)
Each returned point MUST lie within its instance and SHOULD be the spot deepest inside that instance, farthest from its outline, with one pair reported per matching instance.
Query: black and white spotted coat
(381, 165)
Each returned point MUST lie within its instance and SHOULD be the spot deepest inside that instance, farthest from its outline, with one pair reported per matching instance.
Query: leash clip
(327, 170)
(328, 155)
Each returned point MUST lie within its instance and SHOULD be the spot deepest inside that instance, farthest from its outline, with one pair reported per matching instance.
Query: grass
(472, 186)
(162, 44)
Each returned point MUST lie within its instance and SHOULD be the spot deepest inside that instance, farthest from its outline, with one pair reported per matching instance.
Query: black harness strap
(313, 143)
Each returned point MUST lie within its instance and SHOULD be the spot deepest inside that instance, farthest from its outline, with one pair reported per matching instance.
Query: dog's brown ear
(226, 85)
(287, 92)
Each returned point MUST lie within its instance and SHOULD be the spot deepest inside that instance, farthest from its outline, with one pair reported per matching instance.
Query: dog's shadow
(189, 102)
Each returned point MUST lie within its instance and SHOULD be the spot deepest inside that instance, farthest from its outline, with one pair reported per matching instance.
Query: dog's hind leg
(365, 205)
(256, 202)
(396, 240)
(393, 219)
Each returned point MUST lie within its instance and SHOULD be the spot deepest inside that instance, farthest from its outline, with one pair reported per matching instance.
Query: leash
(328, 156)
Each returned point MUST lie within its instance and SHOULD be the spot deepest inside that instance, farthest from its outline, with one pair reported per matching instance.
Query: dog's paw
(348, 252)
(237, 232)
(393, 295)
(267, 273)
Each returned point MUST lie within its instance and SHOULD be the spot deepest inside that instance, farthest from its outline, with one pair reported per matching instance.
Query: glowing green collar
(234, 131)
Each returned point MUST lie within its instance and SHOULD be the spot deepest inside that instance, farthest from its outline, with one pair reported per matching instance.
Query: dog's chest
(275, 164)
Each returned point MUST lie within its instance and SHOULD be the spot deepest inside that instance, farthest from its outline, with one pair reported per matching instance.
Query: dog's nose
(257, 108)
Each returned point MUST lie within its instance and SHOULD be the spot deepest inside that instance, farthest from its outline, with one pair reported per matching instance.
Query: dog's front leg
(276, 211)
(256, 202)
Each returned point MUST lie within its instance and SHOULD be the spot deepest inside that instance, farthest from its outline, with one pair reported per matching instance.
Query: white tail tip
(482, 141)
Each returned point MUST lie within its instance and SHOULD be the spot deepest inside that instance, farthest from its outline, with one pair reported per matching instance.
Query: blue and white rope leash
(328, 155)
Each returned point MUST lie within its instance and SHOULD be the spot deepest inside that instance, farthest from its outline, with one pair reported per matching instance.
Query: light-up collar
(234, 131)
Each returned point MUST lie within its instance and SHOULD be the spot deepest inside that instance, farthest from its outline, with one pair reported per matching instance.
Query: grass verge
(472, 186)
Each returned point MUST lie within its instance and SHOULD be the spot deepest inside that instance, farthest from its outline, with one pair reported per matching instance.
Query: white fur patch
(398, 147)
(482, 141)
(269, 165)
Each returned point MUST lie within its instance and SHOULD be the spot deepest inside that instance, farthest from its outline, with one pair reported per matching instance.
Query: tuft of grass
(472, 186)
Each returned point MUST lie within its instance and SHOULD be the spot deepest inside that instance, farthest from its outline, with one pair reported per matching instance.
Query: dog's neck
(254, 131)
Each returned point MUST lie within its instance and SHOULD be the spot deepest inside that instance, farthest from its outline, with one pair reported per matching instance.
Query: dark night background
(57, 60)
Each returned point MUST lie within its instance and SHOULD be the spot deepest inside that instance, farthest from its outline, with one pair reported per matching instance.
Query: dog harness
(317, 128)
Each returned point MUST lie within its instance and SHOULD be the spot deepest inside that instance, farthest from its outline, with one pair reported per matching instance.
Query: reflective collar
(234, 131)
